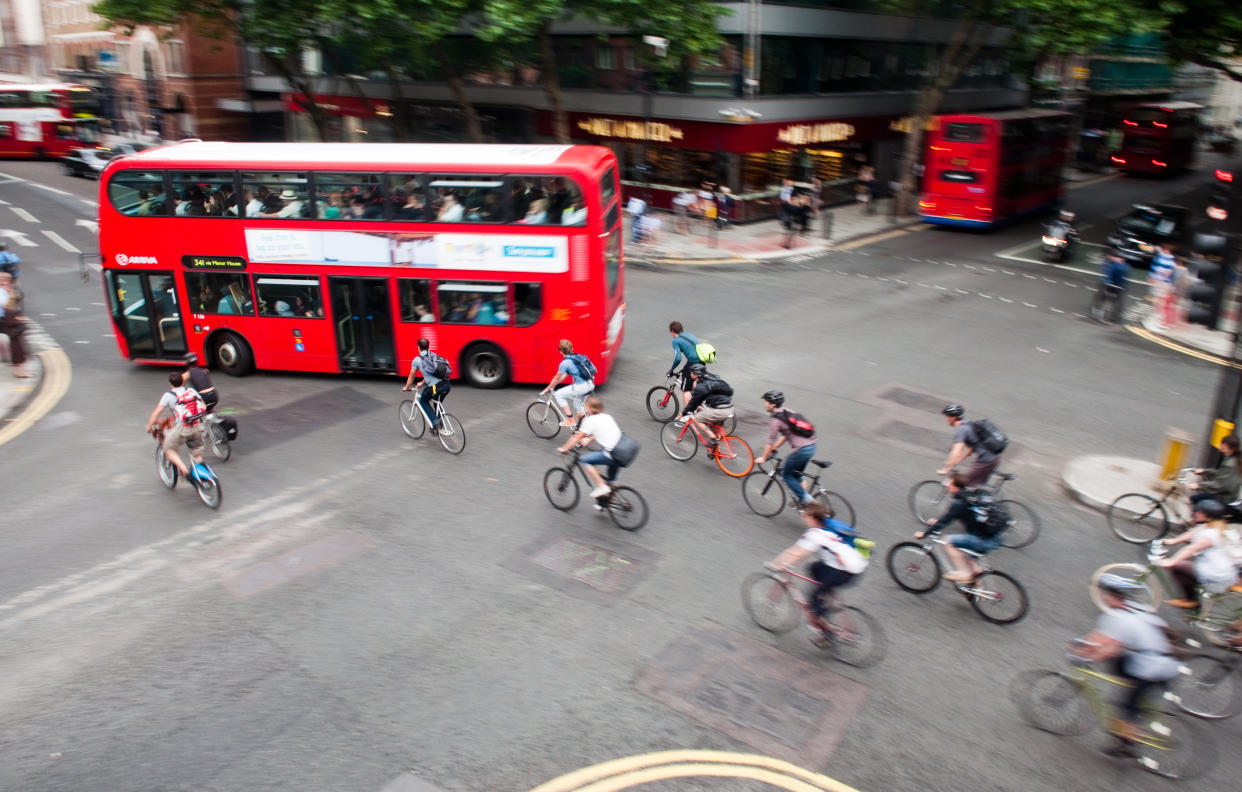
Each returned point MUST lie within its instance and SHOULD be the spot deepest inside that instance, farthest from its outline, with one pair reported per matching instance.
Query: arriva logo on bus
(123, 260)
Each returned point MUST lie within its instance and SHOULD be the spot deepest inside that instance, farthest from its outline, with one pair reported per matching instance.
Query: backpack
(440, 368)
(586, 369)
(992, 440)
(716, 386)
(796, 423)
(991, 516)
(706, 352)
(189, 406)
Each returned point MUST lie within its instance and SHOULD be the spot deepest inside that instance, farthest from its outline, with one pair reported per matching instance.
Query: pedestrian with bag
(13, 324)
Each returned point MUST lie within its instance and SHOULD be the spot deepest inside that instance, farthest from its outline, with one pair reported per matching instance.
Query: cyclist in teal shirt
(683, 347)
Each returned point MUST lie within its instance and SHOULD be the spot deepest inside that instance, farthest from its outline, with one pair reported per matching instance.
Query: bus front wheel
(485, 366)
(232, 355)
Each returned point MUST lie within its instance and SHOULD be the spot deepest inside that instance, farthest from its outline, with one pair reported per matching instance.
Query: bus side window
(219, 293)
(467, 199)
(473, 303)
(291, 296)
(415, 300)
(138, 193)
(349, 196)
(528, 303)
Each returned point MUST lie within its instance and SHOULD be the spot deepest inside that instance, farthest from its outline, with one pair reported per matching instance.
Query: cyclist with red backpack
(436, 373)
(789, 426)
(188, 410)
(980, 438)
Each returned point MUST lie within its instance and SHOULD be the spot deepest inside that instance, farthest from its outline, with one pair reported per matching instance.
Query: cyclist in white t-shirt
(603, 429)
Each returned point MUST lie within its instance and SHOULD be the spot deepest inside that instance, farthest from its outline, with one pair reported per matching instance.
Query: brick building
(23, 51)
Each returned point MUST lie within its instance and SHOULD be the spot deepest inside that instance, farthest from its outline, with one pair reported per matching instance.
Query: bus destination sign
(213, 262)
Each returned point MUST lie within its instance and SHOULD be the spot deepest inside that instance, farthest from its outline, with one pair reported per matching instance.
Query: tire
(627, 508)
(837, 506)
(217, 441)
(861, 641)
(232, 355)
(1024, 525)
(1137, 518)
(663, 403)
(544, 419)
(769, 603)
(411, 419)
(67, 170)
(451, 435)
(1208, 687)
(1222, 612)
(913, 567)
(1174, 748)
(679, 441)
(165, 468)
(1136, 572)
(561, 488)
(209, 492)
(928, 500)
(1050, 701)
(485, 366)
(734, 457)
(764, 493)
(998, 597)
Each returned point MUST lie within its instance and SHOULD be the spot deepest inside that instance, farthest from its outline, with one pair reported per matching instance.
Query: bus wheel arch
(485, 365)
(231, 353)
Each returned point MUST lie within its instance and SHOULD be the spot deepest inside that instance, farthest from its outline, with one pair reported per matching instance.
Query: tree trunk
(399, 106)
(301, 86)
(552, 84)
(452, 75)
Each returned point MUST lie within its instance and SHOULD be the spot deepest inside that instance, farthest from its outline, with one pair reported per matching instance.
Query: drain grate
(604, 570)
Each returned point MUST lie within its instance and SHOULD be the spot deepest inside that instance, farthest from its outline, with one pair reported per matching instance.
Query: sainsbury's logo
(123, 260)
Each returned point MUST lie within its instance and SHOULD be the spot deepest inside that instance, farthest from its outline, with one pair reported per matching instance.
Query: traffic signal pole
(1222, 246)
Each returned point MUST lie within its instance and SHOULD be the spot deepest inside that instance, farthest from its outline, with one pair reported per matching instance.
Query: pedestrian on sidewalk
(9, 262)
(796, 217)
(681, 210)
(1182, 279)
(1160, 282)
(724, 207)
(866, 188)
(636, 207)
(12, 323)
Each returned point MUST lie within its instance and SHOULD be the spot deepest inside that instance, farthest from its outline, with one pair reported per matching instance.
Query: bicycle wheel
(837, 506)
(679, 441)
(1137, 518)
(208, 489)
(451, 435)
(998, 597)
(1207, 687)
(543, 419)
(217, 441)
(769, 602)
(627, 508)
(729, 424)
(928, 500)
(1024, 526)
(1052, 702)
(1222, 618)
(859, 639)
(1136, 572)
(734, 457)
(165, 467)
(561, 488)
(764, 494)
(412, 421)
(663, 403)
(1170, 746)
(913, 567)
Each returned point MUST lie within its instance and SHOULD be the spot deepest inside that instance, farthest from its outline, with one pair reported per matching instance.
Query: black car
(85, 162)
(1144, 227)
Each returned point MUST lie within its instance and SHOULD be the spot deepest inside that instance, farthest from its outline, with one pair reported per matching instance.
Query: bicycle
(544, 416)
(624, 505)
(1106, 304)
(996, 596)
(664, 403)
(205, 481)
(414, 421)
(928, 500)
(1209, 685)
(773, 600)
(1070, 703)
(1138, 518)
(1218, 617)
(730, 453)
(216, 437)
(765, 492)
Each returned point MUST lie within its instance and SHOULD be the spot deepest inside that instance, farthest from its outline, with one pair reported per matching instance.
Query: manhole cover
(909, 434)
(602, 569)
(915, 400)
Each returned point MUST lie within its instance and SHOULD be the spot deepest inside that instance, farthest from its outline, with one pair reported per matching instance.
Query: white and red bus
(47, 120)
(1158, 138)
(338, 257)
(988, 168)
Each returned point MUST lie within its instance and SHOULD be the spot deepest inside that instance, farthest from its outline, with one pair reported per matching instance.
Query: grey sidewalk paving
(16, 391)
(1097, 480)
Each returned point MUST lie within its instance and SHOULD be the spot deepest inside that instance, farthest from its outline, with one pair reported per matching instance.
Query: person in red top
(802, 446)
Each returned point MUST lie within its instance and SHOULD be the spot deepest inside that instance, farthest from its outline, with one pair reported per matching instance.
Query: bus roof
(345, 155)
(1004, 115)
(42, 86)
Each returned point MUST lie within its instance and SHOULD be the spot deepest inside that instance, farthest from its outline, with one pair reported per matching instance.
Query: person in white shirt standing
(603, 429)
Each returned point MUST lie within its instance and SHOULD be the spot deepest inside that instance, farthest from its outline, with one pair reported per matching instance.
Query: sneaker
(435, 430)
(600, 492)
(1181, 603)
(597, 506)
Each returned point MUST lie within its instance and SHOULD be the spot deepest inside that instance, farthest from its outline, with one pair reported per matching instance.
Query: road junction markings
(633, 771)
(57, 374)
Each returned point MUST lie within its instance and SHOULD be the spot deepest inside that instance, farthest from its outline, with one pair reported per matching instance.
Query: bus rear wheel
(232, 355)
(485, 366)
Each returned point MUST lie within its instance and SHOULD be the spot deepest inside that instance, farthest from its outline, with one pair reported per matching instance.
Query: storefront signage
(213, 262)
(905, 124)
(653, 131)
(804, 134)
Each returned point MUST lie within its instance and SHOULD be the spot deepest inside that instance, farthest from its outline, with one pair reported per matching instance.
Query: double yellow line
(633, 771)
(57, 374)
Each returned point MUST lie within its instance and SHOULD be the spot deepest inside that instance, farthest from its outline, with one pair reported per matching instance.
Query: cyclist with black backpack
(436, 373)
(711, 402)
(789, 426)
(581, 371)
(980, 438)
(985, 521)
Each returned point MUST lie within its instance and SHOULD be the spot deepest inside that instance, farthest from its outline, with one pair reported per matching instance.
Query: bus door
(362, 320)
(146, 311)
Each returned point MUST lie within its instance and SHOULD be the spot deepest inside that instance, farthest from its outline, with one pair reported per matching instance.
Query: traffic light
(1212, 256)
(1220, 196)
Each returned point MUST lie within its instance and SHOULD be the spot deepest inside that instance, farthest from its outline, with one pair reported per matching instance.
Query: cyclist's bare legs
(960, 561)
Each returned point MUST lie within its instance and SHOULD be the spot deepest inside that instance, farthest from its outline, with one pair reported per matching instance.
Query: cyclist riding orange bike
(711, 402)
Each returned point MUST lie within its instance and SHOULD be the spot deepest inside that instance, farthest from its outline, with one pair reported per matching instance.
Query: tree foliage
(1205, 32)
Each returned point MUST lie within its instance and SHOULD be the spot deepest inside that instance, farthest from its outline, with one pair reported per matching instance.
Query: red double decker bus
(338, 257)
(40, 121)
(989, 168)
(1159, 138)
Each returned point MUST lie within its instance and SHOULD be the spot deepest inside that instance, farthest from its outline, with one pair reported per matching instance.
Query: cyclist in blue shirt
(576, 391)
(683, 348)
(9, 262)
(434, 387)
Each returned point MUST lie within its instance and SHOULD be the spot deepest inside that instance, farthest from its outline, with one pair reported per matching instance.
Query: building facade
(23, 48)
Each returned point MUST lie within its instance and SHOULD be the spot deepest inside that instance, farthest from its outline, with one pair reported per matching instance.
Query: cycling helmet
(1122, 587)
(697, 369)
(1211, 509)
(774, 397)
(954, 410)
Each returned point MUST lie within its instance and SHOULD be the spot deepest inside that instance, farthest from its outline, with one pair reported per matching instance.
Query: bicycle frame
(697, 426)
(778, 467)
(418, 402)
(1105, 712)
(831, 602)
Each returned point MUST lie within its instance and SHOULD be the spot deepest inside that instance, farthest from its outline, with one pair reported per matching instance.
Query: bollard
(1175, 452)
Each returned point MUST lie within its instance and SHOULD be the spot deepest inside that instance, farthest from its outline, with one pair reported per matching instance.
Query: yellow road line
(57, 374)
(871, 240)
(1143, 332)
(632, 771)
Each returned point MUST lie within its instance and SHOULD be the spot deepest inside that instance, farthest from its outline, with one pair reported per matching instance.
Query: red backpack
(796, 423)
(189, 407)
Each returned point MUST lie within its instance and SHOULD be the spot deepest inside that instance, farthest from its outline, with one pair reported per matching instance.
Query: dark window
(288, 295)
(138, 193)
(614, 213)
(219, 293)
(963, 133)
(416, 303)
(528, 300)
(608, 187)
(473, 303)
(612, 261)
(959, 176)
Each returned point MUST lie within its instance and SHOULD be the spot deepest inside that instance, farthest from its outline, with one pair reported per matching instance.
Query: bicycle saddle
(1006, 476)
(821, 463)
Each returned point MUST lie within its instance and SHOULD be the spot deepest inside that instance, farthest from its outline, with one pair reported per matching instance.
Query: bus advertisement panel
(1159, 138)
(339, 257)
(40, 121)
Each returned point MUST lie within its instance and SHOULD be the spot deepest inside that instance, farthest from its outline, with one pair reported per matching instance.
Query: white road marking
(950, 263)
(1006, 300)
(1030, 305)
(107, 335)
(989, 269)
(73, 309)
(1050, 280)
(969, 266)
(1031, 277)
(99, 304)
(48, 315)
(903, 283)
(925, 286)
(89, 225)
(23, 214)
(89, 202)
(50, 189)
(961, 291)
(863, 275)
(58, 239)
(81, 342)
(1070, 284)
(18, 237)
(4, 203)
(985, 296)
(1056, 310)
(881, 278)
(1009, 272)
(938, 287)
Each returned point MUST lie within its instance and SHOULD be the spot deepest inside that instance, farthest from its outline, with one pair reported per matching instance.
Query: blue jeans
(976, 544)
(791, 473)
(429, 392)
(602, 458)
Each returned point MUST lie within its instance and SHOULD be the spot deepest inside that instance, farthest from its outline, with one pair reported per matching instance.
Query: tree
(1205, 32)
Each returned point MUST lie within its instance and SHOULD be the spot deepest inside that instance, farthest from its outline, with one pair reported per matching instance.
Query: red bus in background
(339, 257)
(987, 168)
(1159, 138)
(40, 121)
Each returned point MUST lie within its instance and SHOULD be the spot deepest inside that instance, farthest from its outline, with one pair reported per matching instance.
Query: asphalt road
(366, 612)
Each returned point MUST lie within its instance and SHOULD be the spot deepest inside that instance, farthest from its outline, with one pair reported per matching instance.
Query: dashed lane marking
(81, 342)
(59, 240)
(50, 189)
(71, 308)
(23, 214)
(89, 202)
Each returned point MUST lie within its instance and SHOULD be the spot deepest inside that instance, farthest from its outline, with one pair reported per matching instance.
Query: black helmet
(697, 369)
(954, 410)
(1211, 509)
(774, 397)
(1122, 587)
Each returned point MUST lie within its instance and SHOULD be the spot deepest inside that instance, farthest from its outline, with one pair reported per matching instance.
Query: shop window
(349, 196)
(288, 296)
(605, 56)
(219, 293)
(138, 193)
(203, 194)
(467, 199)
(415, 300)
(276, 195)
(528, 300)
(473, 303)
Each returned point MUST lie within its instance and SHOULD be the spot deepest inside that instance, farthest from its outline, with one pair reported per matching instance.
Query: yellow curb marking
(57, 374)
(870, 240)
(1143, 332)
(632, 771)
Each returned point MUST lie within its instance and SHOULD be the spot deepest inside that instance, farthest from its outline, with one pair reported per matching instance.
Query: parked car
(1145, 226)
(85, 162)
(1222, 142)
(122, 149)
